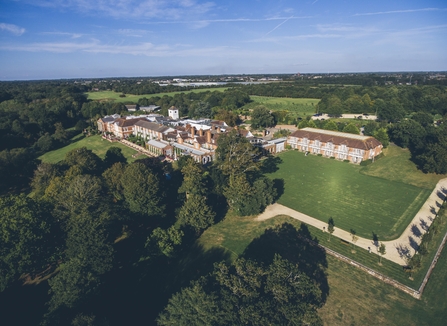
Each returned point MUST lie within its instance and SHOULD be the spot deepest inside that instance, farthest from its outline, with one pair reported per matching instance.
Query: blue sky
(46, 39)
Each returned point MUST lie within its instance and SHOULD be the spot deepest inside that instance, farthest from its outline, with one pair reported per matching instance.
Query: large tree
(114, 155)
(196, 213)
(247, 293)
(193, 179)
(407, 133)
(261, 118)
(25, 238)
(229, 117)
(84, 158)
(141, 190)
(235, 154)
(88, 255)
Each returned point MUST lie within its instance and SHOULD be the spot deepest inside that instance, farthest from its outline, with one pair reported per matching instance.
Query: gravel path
(396, 250)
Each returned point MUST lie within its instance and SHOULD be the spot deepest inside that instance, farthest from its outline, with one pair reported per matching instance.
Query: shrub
(346, 161)
(319, 154)
(332, 157)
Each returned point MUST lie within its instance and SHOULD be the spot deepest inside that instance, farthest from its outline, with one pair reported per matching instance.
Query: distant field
(323, 188)
(296, 106)
(95, 143)
(114, 96)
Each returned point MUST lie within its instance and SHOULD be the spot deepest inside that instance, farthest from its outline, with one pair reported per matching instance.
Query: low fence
(434, 261)
(380, 276)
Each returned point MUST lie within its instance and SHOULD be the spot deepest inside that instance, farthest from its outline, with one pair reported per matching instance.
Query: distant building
(173, 112)
(341, 145)
(150, 108)
(131, 108)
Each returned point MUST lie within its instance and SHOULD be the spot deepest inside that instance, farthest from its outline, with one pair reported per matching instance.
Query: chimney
(200, 132)
(218, 129)
(263, 133)
(193, 132)
(196, 145)
(180, 139)
(208, 136)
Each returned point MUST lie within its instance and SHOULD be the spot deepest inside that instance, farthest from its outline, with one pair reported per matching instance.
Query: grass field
(95, 143)
(114, 96)
(355, 297)
(324, 188)
(296, 106)
(396, 166)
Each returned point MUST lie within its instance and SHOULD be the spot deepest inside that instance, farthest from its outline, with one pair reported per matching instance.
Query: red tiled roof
(201, 140)
(121, 122)
(338, 139)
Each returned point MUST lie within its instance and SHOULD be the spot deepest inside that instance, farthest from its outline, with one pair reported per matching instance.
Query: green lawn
(324, 188)
(295, 106)
(115, 96)
(234, 234)
(355, 297)
(95, 143)
(396, 166)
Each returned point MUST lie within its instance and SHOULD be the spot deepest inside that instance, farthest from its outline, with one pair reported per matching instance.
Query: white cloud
(95, 46)
(399, 11)
(224, 20)
(162, 9)
(72, 35)
(133, 32)
(14, 29)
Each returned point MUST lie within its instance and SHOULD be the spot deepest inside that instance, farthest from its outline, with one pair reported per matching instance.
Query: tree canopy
(247, 293)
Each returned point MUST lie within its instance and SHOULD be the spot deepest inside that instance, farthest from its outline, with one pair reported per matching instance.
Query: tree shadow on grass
(270, 164)
(278, 184)
(297, 246)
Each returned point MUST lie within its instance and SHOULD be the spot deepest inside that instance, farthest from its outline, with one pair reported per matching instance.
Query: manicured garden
(95, 143)
(323, 188)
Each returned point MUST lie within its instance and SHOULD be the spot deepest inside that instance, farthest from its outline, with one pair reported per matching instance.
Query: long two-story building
(341, 145)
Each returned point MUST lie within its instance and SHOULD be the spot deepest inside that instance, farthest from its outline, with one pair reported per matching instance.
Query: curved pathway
(396, 250)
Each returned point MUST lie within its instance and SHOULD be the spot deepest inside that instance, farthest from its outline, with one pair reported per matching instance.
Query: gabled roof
(337, 138)
(151, 126)
(121, 122)
(201, 140)
(110, 118)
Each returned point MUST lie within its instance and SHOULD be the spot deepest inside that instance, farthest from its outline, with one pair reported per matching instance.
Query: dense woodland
(107, 239)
